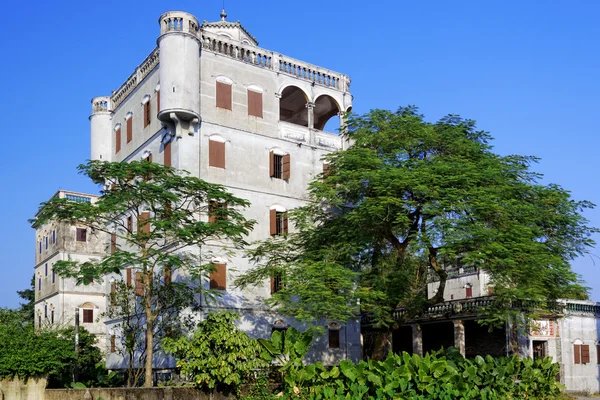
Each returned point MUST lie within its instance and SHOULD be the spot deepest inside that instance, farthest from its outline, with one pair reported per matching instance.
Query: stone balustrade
(234, 49)
(178, 21)
(230, 48)
(134, 79)
(101, 104)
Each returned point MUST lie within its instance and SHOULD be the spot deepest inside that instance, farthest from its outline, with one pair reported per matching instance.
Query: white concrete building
(57, 299)
(571, 336)
(208, 100)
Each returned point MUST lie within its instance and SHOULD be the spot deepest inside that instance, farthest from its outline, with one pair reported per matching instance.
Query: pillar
(417, 339)
(311, 115)
(459, 336)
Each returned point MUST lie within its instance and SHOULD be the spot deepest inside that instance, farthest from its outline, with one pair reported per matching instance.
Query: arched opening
(292, 106)
(326, 114)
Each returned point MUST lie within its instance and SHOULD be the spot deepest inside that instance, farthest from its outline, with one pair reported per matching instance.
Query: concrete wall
(579, 329)
(159, 393)
(17, 389)
(456, 286)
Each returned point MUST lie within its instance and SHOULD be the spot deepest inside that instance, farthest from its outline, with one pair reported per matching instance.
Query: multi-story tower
(208, 100)
(57, 299)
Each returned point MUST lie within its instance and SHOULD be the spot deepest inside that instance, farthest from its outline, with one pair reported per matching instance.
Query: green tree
(154, 217)
(412, 198)
(218, 355)
(28, 295)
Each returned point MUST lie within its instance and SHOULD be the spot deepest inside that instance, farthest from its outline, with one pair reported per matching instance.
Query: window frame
(88, 316)
(81, 235)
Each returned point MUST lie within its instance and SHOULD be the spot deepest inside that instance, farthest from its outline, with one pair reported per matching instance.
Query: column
(417, 338)
(459, 336)
(311, 115)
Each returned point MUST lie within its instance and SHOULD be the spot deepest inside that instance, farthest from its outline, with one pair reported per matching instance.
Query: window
(469, 291)
(224, 95)
(144, 222)
(326, 170)
(149, 158)
(129, 128)
(147, 113)
(113, 343)
(46, 237)
(39, 284)
(279, 166)
(216, 153)
(39, 321)
(581, 353)
(54, 236)
(218, 277)
(46, 268)
(40, 247)
(276, 283)
(140, 286)
(53, 275)
(130, 224)
(88, 316)
(279, 222)
(52, 316)
(158, 101)
(117, 140)
(45, 311)
(255, 103)
(216, 211)
(113, 243)
(81, 235)
(167, 154)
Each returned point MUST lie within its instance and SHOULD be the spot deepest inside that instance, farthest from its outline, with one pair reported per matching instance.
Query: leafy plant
(218, 355)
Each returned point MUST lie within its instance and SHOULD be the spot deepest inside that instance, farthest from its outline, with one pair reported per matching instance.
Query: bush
(218, 355)
(440, 375)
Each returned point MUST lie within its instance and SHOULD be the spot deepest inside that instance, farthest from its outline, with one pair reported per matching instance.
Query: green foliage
(218, 355)
(435, 376)
(89, 360)
(25, 352)
(287, 348)
(28, 295)
(409, 199)
(169, 213)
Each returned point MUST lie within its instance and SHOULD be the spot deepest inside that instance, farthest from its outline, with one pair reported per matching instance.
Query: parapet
(178, 21)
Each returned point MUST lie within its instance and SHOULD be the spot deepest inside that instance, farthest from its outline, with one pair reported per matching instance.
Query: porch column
(417, 339)
(459, 336)
(311, 115)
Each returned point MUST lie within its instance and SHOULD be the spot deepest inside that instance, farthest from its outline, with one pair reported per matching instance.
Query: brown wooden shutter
(334, 339)
(577, 353)
(255, 106)
(273, 222)
(118, 141)
(167, 154)
(113, 343)
(585, 354)
(157, 101)
(271, 164)
(285, 223)
(223, 95)
(272, 285)
(216, 154)
(129, 129)
(113, 243)
(469, 292)
(218, 278)
(139, 284)
(88, 316)
(168, 274)
(144, 222)
(286, 166)
(147, 113)
(128, 276)
(325, 170)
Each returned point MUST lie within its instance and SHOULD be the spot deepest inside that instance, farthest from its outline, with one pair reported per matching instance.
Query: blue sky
(526, 71)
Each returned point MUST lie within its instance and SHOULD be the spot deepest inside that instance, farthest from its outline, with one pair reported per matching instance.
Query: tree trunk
(149, 332)
(382, 345)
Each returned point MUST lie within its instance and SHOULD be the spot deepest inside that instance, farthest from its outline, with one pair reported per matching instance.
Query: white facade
(58, 299)
(179, 81)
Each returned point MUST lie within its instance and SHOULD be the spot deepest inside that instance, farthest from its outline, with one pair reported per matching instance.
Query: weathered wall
(17, 389)
(157, 393)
